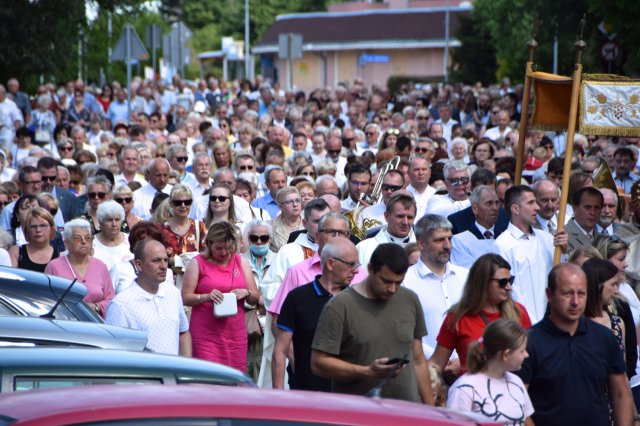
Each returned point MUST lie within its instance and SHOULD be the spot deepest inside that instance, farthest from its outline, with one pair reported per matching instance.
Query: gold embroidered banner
(610, 106)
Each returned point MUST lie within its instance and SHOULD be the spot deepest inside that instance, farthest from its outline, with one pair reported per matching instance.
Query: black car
(28, 293)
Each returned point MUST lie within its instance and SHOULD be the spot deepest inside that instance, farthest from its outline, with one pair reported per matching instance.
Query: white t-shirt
(500, 400)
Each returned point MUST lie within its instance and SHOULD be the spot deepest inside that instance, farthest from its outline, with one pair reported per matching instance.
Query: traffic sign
(135, 50)
(610, 51)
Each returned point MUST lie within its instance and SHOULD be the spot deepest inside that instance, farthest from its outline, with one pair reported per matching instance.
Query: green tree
(475, 59)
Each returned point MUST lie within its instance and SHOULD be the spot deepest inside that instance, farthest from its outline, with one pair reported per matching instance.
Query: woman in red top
(485, 298)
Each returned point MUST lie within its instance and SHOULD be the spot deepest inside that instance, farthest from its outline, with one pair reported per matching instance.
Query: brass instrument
(375, 197)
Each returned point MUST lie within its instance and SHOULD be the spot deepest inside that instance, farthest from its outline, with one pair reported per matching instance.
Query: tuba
(375, 197)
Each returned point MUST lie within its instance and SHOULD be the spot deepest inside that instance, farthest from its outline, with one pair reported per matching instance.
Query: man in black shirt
(574, 363)
(300, 312)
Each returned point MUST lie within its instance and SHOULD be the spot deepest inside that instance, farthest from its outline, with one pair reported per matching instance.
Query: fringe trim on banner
(605, 77)
(609, 131)
(548, 127)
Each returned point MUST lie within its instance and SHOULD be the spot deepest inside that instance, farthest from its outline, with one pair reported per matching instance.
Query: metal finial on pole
(580, 44)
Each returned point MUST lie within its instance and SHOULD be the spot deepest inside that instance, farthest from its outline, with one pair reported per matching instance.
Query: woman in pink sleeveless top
(219, 269)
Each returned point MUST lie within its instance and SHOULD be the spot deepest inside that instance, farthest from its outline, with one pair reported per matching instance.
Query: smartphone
(400, 361)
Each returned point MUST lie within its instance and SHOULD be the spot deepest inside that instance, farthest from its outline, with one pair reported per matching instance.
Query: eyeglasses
(420, 149)
(262, 238)
(42, 226)
(292, 202)
(33, 182)
(49, 178)
(178, 203)
(65, 148)
(123, 200)
(504, 282)
(182, 159)
(370, 133)
(352, 265)
(459, 181)
(79, 239)
(220, 198)
(394, 188)
(422, 117)
(246, 167)
(334, 151)
(100, 195)
(335, 232)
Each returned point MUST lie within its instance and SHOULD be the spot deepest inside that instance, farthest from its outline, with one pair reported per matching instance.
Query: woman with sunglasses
(181, 234)
(257, 233)
(98, 191)
(221, 207)
(289, 219)
(217, 272)
(39, 229)
(485, 298)
(123, 195)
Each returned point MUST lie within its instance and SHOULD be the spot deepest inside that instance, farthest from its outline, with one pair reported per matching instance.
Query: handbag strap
(484, 318)
(197, 235)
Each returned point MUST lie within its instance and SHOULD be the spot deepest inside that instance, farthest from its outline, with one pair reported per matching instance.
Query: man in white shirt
(399, 216)
(202, 172)
(151, 305)
(501, 130)
(445, 120)
(419, 174)
(529, 251)
(129, 162)
(157, 175)
(458, 183)
(392, 182)
(358, 180)
(437, 282)
(548, 198)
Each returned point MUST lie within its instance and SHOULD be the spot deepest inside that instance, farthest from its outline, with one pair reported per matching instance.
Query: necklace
(364, 289)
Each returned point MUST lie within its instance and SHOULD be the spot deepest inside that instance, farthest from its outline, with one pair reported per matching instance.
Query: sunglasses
(100, 195)
(262, 238)
(420, 149)
(178, 203)
(181, 159)
(123, 200)
(220, 198)
(62, 148)
(49, 178)
(459, 181)
(504, 282)
(387, 187)
(248, 167)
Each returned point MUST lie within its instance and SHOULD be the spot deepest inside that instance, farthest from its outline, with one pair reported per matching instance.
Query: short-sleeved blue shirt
(567, 375)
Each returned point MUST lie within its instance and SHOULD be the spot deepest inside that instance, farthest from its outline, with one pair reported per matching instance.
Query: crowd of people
(348, 239)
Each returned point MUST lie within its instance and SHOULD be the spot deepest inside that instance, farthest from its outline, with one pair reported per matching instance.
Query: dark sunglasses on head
(178, 203)
(262, 238)
(503, 282)
(394, 188)
(123, 200)
(220, 198)
(100, 195)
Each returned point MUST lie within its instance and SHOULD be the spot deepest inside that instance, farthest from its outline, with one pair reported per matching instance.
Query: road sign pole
(128, 60)
(290, 61)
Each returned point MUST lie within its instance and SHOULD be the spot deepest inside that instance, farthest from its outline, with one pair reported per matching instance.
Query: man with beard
(202, 172)
(437, 282)
(606, 223)
(529, 251)
(399, 216)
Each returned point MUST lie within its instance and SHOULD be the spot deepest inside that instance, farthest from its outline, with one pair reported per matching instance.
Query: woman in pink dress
(219, 270)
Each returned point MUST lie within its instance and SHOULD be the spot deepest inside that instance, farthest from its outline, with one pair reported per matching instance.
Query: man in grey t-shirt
(366, 330)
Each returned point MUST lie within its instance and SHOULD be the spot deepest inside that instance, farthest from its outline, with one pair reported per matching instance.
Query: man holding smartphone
(364, 327)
